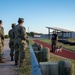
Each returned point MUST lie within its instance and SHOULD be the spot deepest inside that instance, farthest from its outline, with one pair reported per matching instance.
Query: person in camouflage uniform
(11, 41)
(20, 42)
(1, 42)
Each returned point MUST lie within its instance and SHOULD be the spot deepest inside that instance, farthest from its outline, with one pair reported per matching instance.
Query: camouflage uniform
(11, 41)
(20, 44)
(27, 40)
(1, 42)
(2, 39)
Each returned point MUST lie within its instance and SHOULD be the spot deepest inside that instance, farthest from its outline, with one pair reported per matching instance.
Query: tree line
(31, 34)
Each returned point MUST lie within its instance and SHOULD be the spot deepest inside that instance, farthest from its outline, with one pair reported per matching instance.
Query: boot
(16, 63)
(12, 58)
(2, 61)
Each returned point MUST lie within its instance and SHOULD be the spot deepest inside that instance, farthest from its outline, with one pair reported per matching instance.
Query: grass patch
(66, 46)
(26, 70)
(72, 39)
(55, 58)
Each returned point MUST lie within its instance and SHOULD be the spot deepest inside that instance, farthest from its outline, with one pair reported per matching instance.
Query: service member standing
(20, 42)
(27, 40)
(1, 42)
(54, 41)
(11, 41)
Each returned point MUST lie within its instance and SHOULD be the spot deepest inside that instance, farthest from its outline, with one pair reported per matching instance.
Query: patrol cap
(14, 24)
(0, 21)
(21, 20)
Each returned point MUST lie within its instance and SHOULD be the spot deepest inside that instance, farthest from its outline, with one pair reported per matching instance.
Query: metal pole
(70, 34)
(35, 66)
(49, 33)
(62, 35)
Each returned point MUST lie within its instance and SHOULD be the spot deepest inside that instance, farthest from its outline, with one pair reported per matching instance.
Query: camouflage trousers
(2, 46)
(11, 52)
(11, 46)
(1, 52)
(20, 52)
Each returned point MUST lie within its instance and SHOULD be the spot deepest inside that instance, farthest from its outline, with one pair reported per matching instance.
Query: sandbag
(65, 67)
(38, 51)
(45, 54)
(35, 47)
(49, 68)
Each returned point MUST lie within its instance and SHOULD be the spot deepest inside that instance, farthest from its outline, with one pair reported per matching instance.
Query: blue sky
(38, 14)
